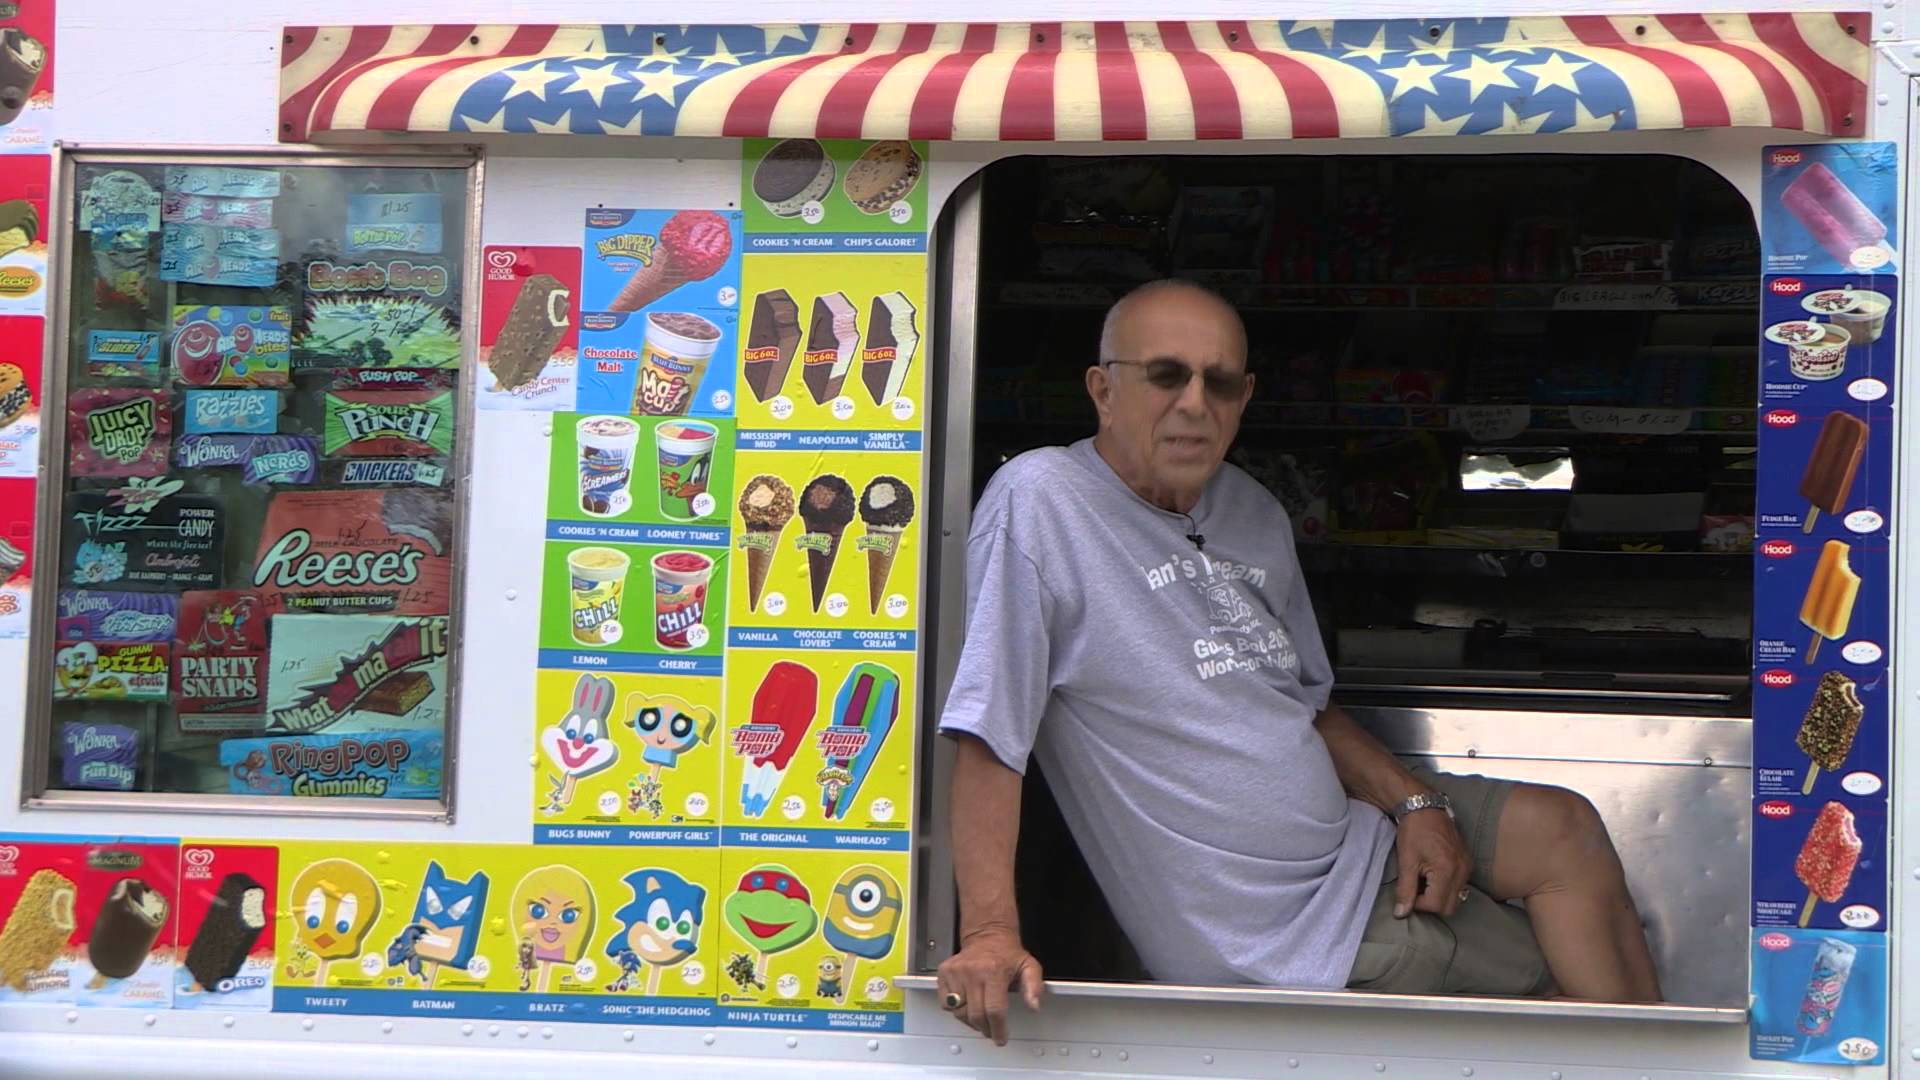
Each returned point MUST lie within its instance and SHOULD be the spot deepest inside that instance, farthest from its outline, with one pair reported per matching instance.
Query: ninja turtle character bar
(773, 912)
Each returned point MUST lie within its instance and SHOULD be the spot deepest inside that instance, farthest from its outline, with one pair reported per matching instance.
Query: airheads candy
(356, 551)
(231, 346)
(375, 765)
(118, 432)
(385, 423)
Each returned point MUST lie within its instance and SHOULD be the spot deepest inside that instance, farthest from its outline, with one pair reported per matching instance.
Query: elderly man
(1137, 620)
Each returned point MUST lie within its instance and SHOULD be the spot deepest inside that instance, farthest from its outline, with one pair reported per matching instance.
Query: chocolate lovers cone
(885, 508)
(826, 506)
(766, 505)
(124, 933)
(772, 341)
(535, 324)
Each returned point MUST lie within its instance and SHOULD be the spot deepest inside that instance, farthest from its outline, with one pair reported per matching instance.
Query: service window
(252, 511)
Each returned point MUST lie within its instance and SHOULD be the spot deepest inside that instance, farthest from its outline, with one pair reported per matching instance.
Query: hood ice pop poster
(626, 759)
(1830, 208)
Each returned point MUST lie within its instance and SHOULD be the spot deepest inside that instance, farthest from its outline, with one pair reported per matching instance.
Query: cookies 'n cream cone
(886, 507)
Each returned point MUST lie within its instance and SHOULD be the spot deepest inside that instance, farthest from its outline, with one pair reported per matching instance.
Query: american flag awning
(1086, 80)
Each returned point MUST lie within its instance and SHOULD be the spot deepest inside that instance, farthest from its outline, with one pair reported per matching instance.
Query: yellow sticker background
(792, 976)
(688, 791)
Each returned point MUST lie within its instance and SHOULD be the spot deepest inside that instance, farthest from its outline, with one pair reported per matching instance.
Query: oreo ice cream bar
(22, 59)
(233, 923)
(128, 924)
(892, 340)
(831, 340)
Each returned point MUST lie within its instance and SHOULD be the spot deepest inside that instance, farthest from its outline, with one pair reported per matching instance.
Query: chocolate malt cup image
(596, 579)
(680, 598)
(606, 463)
(1866, 320)
(684, 449)
(673, 359)
(1818, 361)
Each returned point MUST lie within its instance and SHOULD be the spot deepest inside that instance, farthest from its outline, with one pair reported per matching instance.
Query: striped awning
(1084, 81)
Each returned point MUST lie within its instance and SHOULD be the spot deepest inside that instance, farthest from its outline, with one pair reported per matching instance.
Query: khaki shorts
(1484, 947)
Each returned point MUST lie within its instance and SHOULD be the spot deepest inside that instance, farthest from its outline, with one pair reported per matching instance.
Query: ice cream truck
(443, 466)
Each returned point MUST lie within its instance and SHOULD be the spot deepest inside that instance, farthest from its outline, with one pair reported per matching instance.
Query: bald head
(1167, 294)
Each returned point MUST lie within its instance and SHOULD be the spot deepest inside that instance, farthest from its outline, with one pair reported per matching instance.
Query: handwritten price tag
(1616, 298)
(1487, 423)
(1627, 420)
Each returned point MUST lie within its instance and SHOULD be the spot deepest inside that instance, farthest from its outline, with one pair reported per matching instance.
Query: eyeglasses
(1172, 376)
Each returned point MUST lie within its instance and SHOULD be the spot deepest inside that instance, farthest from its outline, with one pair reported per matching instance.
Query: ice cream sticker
(636, 258)
(529, 327)
(629, 759)
(1830, 208)
(843, 195)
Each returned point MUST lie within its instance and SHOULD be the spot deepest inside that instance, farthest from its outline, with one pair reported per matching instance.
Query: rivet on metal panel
(1639, 31)
(149, 1019)
(523, 1031)
(493, 1030)
(1293, 1063)
(226, 1021)
(792, 1042)
(386, 1027)
(1916, 1053)
(1847, 120)
(1064, 1052)
(626, 1036)
(474, 40)
(707, 1038)
(286, 39)
(1039, 1051)
(1852, 30)
(1039, 39)
(1707, 761)
(1554, 1075)
(873, 1046)
(1206, 1059)
(547, 431)
(73, 1017)
(659, 39)
(1473, 751)
(466, 1029)
(1882, 98)
(1466, 1070)
(1916, 52)
(546, 1033)
(512, 595)
(1095, 1052)
(953, 1048)
(1125, 1056)
(1233, 35)
(1380, 1066)
(1887, 29)
(1916, 873)
(1433, 32)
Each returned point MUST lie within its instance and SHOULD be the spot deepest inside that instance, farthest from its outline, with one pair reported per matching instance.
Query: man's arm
(1434, 861)
(985, 808)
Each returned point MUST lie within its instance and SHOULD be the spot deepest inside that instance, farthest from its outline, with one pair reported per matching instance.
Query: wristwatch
(1429, 800)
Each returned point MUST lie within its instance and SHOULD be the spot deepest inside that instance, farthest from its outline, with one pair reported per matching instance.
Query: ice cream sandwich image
(228, 931)
(892, 340)
(15, 396)
(22, 59)
(772, 340)
(535, 324)
(37, 928)
(19, 225)
(124, 932)
(882, 176)
(794, 173)
(832, 338)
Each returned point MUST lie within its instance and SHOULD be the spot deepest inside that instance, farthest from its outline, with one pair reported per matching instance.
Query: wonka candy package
(387, 423)
(220, 662)
(357, 673)
(231, 346)
(118, 432)
(227, 908)
(356, 551)
(113, 645)
(87, 923)
(369, 765)
(98, 757)
(142, 534)
(263, 459)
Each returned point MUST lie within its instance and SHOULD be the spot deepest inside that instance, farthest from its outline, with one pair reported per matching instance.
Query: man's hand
(1434, 864)
(991, 961)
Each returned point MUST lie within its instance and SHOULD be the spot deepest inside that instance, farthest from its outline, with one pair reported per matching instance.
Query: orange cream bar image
(1828, 606)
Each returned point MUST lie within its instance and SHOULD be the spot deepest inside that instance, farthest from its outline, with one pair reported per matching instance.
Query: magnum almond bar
(535, 324)
(892, 340)
(771, 342)
(831, 340)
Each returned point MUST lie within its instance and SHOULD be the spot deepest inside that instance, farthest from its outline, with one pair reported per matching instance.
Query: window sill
(1573, 1010)
(239, 805)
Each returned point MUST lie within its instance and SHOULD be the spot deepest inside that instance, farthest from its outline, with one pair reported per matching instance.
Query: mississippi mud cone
(826, 506)
(766, 505)
(886, 506)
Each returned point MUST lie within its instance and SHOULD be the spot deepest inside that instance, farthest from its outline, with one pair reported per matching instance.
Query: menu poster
(228, 905)
(529, 327)
(1828, 340)
(16, 556)
(1819, 996)
(88, 921)
(1830, 208)
(26, 77)
(21, 421)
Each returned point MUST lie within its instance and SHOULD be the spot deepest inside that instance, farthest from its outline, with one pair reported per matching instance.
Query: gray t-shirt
(1170, 697)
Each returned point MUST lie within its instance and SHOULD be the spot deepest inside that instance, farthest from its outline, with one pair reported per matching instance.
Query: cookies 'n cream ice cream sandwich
(831, 340)
(891, 342)
(794, 173)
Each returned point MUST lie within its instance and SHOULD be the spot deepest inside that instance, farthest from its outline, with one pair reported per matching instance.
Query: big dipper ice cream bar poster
(1830, 208)
(833, 345)
(819, 749)
(498, 932)
(660, 302)
(829, 543)
(640, 478)
(835, 195)
(1829, 340)
(87, 923)
(812, 939)
(649, 608)
(1829, 474)
(627, 759)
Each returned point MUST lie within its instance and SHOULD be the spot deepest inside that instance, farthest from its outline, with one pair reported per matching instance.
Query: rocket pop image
(1827, 608)
(1836, 218)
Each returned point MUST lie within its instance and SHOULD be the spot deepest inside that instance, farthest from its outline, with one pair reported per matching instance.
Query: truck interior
(1508, 402)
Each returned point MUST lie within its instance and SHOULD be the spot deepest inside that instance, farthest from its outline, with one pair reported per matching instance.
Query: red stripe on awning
(1028, 110)
(296, 112)
(1123, 104)
(1309, 98)
(394, 106)
(441, 39)
(295, 42)
(845, 108)
(1842, 97)
(1782, 103)
(1701, 103)
(1216, 104)
(932, 114)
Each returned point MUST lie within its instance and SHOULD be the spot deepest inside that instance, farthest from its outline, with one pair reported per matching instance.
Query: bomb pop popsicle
(863, 714)
(1832, 213)
(783, 709)
(1827, 858)
(1825, 983)
(1827, 608)
(1827, 730)
(1832, 465)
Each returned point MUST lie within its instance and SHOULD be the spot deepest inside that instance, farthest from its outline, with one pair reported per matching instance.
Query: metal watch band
(1425, 801)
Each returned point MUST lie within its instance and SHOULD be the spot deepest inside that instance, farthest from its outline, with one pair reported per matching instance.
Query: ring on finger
(1465, 894)
(953, 1001)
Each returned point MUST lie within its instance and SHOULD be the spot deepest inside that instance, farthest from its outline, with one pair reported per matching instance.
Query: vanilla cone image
(766, 505)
